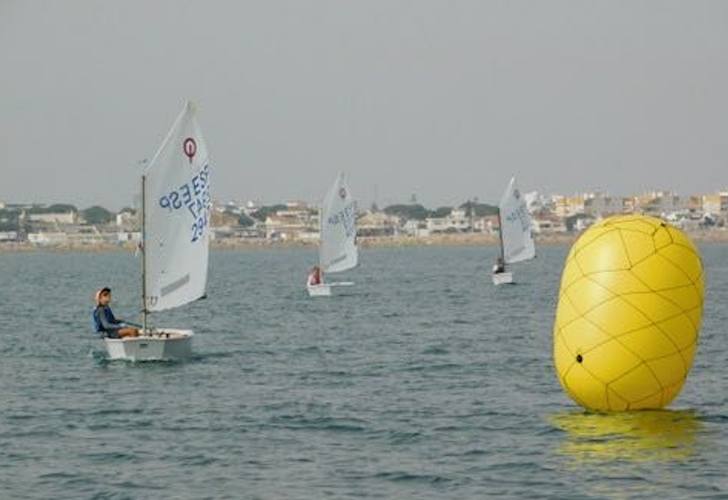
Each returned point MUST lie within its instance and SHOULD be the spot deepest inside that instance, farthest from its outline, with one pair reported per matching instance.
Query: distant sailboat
(175, 218)
(516, 238)
(337, 249)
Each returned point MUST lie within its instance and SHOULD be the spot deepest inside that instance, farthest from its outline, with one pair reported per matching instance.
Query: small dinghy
(175, 217)
(502, 278)
(154, 346)
(516, 238)
(337, 249)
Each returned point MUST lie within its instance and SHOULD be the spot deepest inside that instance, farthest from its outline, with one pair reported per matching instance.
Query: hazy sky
(445, 99)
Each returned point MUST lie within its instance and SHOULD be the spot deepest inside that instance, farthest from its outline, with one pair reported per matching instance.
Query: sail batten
(338, 251)
(177, 216)
(515, 226)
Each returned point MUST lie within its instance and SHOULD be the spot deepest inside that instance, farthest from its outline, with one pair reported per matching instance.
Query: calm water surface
(422, 381)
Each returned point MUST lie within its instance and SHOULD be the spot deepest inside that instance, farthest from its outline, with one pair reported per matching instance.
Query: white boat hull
(162, 344)
(323, 290)
(502, 278)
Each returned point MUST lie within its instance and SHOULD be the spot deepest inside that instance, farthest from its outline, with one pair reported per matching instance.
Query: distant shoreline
(468, 239)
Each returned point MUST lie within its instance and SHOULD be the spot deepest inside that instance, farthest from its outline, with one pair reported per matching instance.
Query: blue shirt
(105, 321)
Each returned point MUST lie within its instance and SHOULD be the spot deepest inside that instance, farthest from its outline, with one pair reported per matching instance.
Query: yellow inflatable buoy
(629, 312)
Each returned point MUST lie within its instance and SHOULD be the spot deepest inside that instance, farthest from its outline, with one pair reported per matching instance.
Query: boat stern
(156, 345)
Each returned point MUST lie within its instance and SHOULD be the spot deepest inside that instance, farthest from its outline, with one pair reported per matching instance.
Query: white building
(126, 219)
(291, 223)
(487, 224)
(715, 203)
(583, 223)
(548, 225)
(416, 228)
(535, 201)
(48, 239)
(377, 224)
(129, 237)
(457, 221)
(601, 205)
(54, 217)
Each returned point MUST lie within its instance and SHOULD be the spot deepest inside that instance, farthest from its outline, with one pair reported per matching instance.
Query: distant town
(65, 225)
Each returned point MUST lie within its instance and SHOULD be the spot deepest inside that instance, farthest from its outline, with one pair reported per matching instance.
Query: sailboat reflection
(632, 436)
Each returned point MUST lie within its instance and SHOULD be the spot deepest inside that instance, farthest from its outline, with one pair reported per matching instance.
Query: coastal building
(377, 224)
(545, 224)
(284, 227)
(251, 206)
(69, 217)
(415, 228)
(583, 223)
(566, 206)
(715, 203)
(535, 202)
(73, 235)
(237, 233)
(457, 221)
(223, 218)
(602, 205)
(48, 239)
(659, 203)
(487, 224)
(9, 236)
(292, 222)
(694, 204)
(127, 219)
(129, 237)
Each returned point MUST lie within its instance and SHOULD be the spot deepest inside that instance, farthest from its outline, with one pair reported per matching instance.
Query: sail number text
(520, 214)
(344, 216)
(195, 197)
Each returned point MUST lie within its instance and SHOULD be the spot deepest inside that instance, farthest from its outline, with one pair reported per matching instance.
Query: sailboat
(337, 249)
(175, 220)
(516, 239)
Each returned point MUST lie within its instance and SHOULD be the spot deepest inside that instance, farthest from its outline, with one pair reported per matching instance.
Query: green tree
(55, 208)
(9, 220)
(441, 212)
(409, 212)
(479, 209)
(245, 221)
(97, 215)
(263, 212)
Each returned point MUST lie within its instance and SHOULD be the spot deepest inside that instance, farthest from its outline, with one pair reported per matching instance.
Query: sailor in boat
(106, 324)
(500, 266)
(315, 277)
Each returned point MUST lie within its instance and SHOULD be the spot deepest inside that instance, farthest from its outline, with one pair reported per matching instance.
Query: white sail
(338, 250)
(177, 216)
(515, 226)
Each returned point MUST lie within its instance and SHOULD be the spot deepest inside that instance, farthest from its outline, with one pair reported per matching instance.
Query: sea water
(421, 381)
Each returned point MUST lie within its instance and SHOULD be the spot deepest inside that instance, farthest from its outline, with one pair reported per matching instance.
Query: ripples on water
(422, 381)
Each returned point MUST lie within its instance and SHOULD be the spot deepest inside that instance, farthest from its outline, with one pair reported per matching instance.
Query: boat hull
(322, 290)
(503, 278)
(162, 344)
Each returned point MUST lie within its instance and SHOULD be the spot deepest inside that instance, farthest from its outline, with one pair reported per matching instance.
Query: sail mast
(144, 254)
(321, 232)
(500, 237)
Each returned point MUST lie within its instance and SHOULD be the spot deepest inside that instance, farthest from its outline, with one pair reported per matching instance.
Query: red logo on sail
(189, 146)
